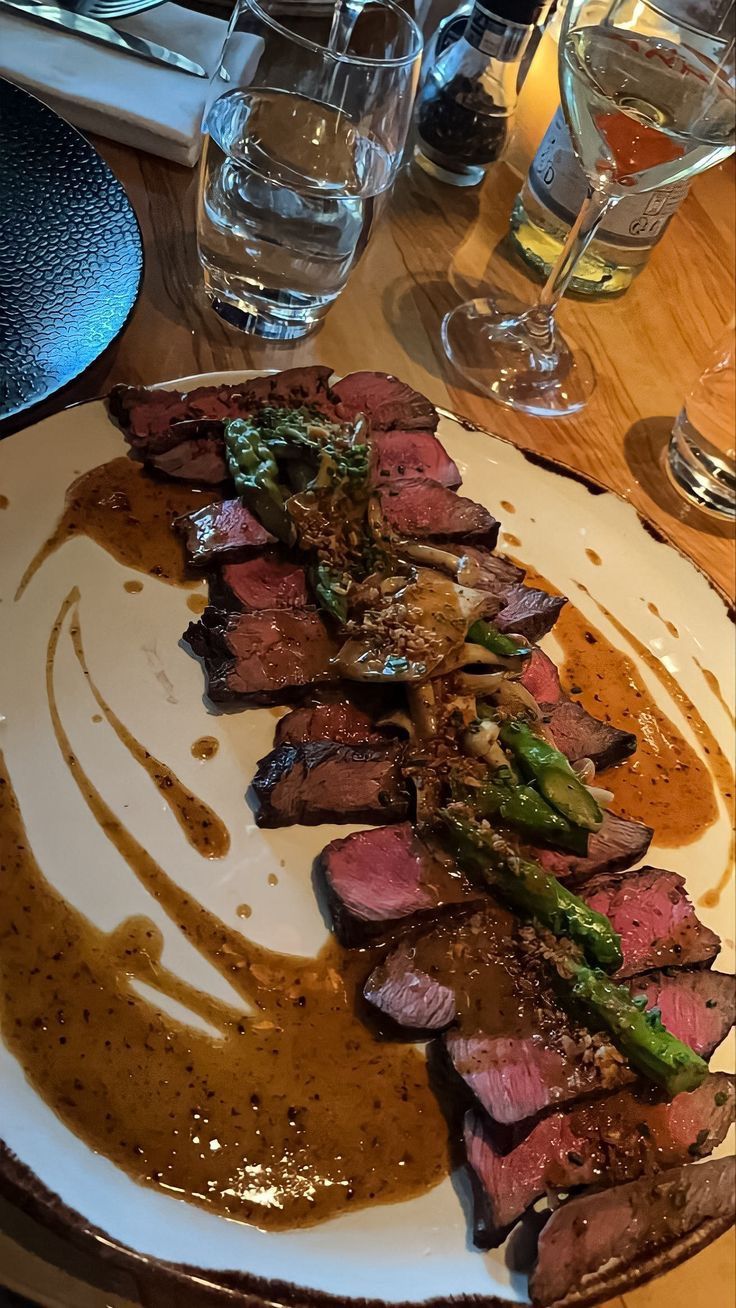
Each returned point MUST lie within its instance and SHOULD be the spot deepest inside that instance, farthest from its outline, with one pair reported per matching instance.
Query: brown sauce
(244, 910)
(129, 513)
(508, 507)
(205, 747)
(273, 879)
(285, 1119)
(4, 501)
(204, 830)
(594, 557)
(197, 603)
(665, 783)
(672, 629)
(133, 587)
(713, 684)
(511, 540)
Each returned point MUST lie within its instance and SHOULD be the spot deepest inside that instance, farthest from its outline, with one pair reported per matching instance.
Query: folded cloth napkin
(128, 99)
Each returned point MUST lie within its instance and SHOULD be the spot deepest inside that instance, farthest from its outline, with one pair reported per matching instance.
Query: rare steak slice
(541, 678)
(421, 509)
(324, 781)
(652, 913)
(200, 459)
(390, 404)
(697, 1004)
(575, 732)
(399, 454)
(337, 720)
(620, 1137)
(265, 581)
(219, 530)
(269, 657)
(512, 1042)
(529, 612)
(579, 735)
(380, 880)
(155, 420)
(617, 844)
(597, 1245)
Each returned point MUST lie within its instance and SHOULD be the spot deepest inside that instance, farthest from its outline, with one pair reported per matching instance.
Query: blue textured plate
(70, 252)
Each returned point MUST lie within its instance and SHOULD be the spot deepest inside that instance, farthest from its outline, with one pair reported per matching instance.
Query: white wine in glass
(648, 93)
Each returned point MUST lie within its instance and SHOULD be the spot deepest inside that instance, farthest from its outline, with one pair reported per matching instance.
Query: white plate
(417, 1250)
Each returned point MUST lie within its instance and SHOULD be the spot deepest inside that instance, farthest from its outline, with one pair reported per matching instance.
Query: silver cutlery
(93, 30)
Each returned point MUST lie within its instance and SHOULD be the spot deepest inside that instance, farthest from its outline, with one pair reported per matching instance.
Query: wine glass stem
(594, 208)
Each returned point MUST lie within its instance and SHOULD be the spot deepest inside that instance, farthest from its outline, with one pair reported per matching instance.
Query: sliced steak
(399, 454)
(221, 529)
(340, 721)
(513, 1044)
(574, 731)
(530, 612)
(423, 510)
(617, 845)
(201, 459)
(652, 913)
(596, 1245)
(155, 420)
(624, 1136)
(579, 735)
(411, 995)
(268, 657)
(390, 404)
(323, 781)
(541, 678)
(379, 879)
(497, 575)
(698, 1005)
(264, 582)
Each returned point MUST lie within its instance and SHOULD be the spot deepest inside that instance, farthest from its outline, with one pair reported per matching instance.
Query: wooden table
(432, 248)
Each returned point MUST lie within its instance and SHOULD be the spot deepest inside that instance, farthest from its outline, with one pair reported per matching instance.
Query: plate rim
(27, 408)
(198, 1286)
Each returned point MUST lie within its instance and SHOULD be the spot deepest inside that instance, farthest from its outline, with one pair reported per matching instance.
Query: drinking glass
(305, 125)
(648, 94)
(702, 449)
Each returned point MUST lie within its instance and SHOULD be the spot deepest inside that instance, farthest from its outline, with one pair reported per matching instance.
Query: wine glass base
(494, 345)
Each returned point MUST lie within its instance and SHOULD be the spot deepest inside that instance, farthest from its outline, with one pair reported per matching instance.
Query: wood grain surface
(432, 247)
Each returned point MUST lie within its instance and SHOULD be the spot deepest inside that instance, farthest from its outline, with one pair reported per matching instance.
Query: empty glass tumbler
(702, 451)
(306, 123)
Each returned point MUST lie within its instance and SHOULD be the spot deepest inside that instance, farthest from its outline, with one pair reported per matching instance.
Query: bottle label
(493, 36)
(485, 31)
(557, 182)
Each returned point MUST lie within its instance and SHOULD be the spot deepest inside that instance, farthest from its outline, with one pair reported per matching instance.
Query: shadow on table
(645, 450)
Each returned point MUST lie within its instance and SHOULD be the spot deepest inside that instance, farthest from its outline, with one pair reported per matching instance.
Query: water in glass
(281, 218)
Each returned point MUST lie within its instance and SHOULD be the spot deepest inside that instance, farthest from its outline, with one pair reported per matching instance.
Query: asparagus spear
(532, 891)
(641, 1035)
(524, 808)
(255, 472)
(553, 774)
(489, 636)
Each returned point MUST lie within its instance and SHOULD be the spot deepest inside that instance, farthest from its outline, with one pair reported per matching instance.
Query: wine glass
(648, 94)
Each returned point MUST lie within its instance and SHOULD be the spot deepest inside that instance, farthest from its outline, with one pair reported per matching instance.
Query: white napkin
(128, 99)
